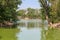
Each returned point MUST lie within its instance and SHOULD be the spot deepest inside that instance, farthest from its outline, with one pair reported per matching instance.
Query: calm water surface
(29, 33)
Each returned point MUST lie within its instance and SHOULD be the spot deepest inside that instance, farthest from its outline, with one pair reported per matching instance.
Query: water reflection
(29, 34)
(31, 29)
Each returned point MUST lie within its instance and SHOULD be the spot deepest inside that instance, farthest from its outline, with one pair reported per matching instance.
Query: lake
(31, 29)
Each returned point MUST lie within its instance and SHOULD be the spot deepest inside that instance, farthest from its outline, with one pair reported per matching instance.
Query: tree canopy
(51, 8)
(8, 10)
(30, 13)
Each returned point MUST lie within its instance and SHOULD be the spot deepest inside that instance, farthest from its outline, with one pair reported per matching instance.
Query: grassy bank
(8, 34)
(53, 34)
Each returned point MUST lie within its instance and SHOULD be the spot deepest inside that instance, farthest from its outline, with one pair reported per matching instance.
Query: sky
(29, 4)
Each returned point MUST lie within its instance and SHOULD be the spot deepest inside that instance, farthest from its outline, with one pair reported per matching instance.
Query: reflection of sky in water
(29, 34)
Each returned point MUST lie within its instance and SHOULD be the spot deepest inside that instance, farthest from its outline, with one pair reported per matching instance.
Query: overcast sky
(29, 4)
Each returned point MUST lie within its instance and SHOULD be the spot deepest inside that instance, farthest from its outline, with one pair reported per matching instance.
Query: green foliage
(52, 11)
(45, 7)
(30, 13)
(21, 12)
(42, 15)
(55, 12)
(8, 10)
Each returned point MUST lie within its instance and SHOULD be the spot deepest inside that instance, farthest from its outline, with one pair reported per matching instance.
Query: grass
(53, 34)
(8, 34)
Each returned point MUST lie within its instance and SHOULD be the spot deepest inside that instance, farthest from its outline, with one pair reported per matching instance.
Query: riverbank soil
(55, 25)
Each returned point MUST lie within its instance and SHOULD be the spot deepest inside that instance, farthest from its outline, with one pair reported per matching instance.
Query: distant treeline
(29, 13)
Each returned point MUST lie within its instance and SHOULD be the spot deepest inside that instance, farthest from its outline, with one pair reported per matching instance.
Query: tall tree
(51, 8)
(45, 6)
